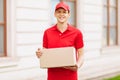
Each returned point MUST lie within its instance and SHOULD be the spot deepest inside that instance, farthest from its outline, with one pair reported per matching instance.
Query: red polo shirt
(53, 38)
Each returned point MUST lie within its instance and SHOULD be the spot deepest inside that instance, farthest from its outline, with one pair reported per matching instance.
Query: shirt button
(60, 34)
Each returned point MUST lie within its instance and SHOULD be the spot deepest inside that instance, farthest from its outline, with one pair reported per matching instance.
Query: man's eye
(59, 11)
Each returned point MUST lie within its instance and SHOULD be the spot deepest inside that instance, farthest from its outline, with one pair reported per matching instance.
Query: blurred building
(22, 23)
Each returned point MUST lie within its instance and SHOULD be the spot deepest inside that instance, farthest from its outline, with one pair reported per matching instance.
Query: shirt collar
(68, 27)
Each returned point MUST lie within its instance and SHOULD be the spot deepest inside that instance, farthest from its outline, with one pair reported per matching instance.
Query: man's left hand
(73, 68)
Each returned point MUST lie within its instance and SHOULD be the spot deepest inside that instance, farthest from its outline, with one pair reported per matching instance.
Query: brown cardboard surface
(58, 57)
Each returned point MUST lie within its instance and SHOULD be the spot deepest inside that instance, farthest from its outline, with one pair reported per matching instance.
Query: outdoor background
(22, 24)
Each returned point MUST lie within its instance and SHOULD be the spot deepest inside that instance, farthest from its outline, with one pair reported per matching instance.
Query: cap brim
(61, 8)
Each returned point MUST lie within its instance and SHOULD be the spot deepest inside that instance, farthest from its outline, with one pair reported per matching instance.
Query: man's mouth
(61, 18)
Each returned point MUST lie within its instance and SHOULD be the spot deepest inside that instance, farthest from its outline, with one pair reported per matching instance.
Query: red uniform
(53, 38)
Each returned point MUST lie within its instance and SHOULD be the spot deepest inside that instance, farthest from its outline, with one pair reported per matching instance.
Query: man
(63, 34)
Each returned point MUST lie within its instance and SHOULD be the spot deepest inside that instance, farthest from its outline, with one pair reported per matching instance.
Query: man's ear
(69, 14)
(54, 14)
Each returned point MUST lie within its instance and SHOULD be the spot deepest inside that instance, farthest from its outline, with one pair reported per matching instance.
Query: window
(72, 5)
(110, 19)
(2, 28)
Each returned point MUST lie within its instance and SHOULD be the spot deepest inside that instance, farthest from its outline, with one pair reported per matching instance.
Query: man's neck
(62, 27)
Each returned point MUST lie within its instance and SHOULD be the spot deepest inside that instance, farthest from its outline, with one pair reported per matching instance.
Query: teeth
(61, 18)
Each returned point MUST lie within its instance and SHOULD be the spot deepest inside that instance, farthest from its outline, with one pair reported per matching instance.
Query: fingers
(38, 53)
(66, 67)
(73, 68)
(38, 49)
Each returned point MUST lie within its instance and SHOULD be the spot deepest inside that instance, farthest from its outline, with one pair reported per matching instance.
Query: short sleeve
(79, 40)
(45, 40)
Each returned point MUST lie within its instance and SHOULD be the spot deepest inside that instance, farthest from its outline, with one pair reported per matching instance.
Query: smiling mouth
(61, 18)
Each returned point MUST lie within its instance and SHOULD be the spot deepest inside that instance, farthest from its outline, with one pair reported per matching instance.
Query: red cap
(62, 5)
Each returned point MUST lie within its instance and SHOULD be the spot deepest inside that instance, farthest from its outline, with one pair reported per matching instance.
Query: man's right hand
(38, 53)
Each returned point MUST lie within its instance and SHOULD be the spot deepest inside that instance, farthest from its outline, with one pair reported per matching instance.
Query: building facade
(22, 23)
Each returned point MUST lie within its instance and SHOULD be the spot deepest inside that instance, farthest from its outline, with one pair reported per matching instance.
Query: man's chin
(61, 22)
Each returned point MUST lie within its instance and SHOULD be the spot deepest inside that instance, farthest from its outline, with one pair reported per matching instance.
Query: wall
(91, 24)
(26, 22)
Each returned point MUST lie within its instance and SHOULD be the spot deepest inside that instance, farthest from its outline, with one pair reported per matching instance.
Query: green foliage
(114, 78)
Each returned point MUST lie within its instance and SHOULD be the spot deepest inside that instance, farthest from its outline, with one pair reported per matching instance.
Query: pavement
(97, 78)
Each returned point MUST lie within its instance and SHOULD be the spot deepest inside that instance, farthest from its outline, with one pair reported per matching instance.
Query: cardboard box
(58, 57)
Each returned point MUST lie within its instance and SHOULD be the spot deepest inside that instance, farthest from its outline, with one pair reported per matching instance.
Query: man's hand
(73, 68)
(38, 53)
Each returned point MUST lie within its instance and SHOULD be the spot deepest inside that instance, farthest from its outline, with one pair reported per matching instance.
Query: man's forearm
(80, 57)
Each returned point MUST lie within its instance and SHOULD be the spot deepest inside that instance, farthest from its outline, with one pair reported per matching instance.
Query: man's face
(62, 15)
